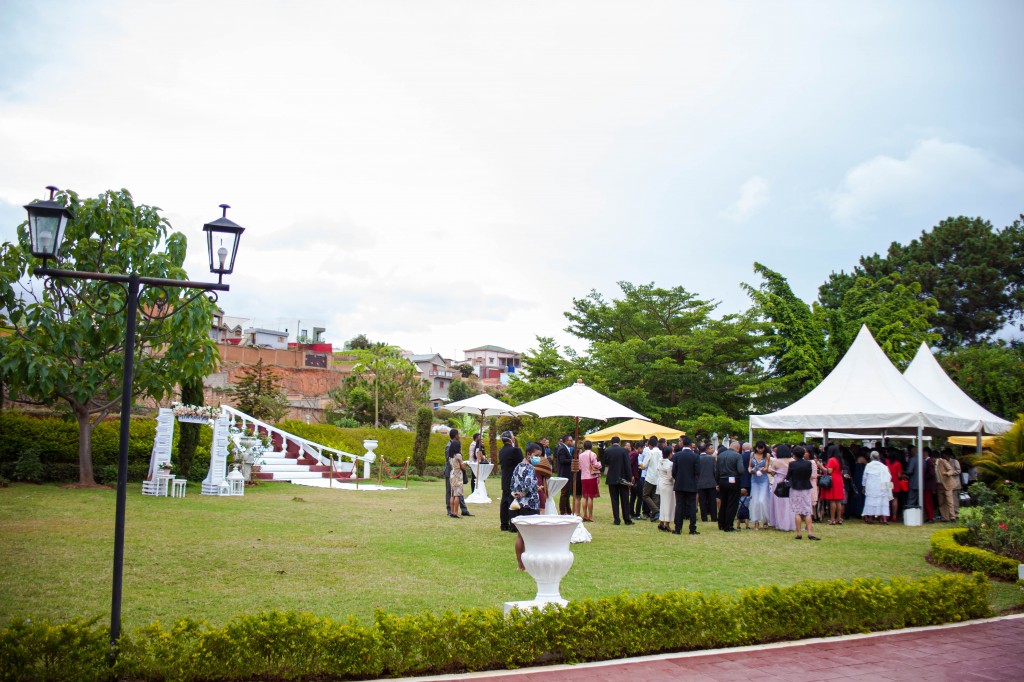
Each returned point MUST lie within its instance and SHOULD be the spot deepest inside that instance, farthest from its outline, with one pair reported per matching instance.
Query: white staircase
(294, 458)
(161, 453)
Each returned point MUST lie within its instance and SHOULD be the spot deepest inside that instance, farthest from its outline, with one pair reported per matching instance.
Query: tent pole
(824, 438)
(750, 434)
(920, 469)
(977, 448)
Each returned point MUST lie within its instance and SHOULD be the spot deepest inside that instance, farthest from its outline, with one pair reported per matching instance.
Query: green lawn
(336, 553)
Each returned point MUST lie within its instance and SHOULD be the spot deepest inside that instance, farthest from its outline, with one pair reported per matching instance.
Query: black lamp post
(47, 220)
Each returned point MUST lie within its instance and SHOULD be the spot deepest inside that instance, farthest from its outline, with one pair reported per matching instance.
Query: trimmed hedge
(300, 646)
(948, 550)
(395, 445)
(57, 442)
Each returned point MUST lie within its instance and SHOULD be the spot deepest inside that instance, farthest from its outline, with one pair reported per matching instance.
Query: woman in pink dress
(590, 477)
(779, 466)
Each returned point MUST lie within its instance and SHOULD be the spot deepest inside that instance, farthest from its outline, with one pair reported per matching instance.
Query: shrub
(949, 549)
(29, 467)
(395, 445)
(997, 526)
(424, 420)
(300, 646)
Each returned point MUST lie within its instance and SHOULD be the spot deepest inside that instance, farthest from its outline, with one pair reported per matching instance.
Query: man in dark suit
(707, 484)
(729, 462)
(508, 458)
(686, 470)
(563, 460)
(616, 466)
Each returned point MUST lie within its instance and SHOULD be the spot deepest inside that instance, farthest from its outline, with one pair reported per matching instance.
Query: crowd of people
(734, 485)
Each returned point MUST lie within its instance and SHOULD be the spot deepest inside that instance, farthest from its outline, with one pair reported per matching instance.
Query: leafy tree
(794, 336)
(359, 342)
(191, 394)
(662, 353)
(895, 312)
(424, 420)
(547, 371)
(259, 394)
(384, 387)
(974, 272)
(69, 349)
(465, 369)
(992, 374)
(459, 390)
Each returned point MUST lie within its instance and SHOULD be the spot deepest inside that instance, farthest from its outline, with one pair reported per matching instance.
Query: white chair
(178, 489)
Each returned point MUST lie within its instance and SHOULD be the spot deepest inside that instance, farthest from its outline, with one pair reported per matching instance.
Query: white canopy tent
(579, 401)
(865, 393)
(926, 374)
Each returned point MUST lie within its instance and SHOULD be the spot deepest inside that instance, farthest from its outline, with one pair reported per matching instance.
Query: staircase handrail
(311, 448)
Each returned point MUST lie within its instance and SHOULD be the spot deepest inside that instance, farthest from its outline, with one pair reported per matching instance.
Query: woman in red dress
(899, 483)
(836, 492)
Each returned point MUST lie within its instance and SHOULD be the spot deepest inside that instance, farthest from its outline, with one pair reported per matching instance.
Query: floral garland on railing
(198, 411)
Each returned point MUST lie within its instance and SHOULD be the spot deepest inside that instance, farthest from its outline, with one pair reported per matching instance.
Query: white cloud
(949, 177)
(753, 195)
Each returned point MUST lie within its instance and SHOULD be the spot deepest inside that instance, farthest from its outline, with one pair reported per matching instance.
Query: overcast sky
(443, 175)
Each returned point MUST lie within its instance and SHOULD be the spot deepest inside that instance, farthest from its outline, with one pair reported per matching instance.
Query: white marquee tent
(927, 376)
(866, 393)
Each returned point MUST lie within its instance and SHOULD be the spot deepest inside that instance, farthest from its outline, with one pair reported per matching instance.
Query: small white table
(555, 485)
(163, 484)
(481, 470)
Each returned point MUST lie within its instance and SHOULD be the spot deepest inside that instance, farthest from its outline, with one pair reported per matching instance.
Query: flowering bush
(995, 525)
(199, 411)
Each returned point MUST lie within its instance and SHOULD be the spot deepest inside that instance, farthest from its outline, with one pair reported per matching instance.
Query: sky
(443, 175)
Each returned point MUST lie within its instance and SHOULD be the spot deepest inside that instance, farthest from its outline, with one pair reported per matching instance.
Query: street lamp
(47, 220)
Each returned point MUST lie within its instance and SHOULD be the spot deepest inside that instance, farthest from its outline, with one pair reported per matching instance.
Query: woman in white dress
(666, 491)
(877, 490)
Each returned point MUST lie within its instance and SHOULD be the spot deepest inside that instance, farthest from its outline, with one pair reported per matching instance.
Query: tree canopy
(66, 344)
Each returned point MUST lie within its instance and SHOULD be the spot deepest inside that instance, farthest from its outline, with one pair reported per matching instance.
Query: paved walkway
(980, 650)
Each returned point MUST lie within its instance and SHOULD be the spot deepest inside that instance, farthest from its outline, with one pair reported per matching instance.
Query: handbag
(782, 489)
(825, 482)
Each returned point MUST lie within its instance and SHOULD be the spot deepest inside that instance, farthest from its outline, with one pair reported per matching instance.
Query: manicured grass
(335, 553)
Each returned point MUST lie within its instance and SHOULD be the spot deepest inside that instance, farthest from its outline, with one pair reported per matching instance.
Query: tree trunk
(85, 474)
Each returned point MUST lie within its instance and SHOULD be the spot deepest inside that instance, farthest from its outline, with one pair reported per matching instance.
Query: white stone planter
(369, 457)
(547, 557)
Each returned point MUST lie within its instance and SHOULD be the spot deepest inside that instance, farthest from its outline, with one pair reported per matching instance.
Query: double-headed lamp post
(47, 221)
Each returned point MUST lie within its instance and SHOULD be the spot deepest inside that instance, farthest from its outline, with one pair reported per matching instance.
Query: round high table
(481, 470)
(555, 485)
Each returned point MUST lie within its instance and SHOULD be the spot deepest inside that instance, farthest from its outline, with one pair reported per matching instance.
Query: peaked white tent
(865, 393)
(927, 375)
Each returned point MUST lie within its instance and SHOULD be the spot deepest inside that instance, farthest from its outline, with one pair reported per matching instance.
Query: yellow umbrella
(986, 441)
(635, 429)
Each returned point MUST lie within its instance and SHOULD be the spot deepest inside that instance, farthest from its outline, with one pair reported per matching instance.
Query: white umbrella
(581, 402)
(578, 401)
(484, 405)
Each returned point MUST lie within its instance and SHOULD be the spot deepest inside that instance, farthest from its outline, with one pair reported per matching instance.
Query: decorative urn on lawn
(547, 557)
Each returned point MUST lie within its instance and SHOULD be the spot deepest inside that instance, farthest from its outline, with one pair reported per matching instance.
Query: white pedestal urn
(547, 557)
(370, 457)
(481, 470)
(555, 485)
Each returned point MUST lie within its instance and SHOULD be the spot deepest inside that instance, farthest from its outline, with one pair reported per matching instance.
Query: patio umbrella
(635, 429)
(484, 405)
(579, 402)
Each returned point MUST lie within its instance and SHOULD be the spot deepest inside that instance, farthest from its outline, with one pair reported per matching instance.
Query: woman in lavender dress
(779, 467)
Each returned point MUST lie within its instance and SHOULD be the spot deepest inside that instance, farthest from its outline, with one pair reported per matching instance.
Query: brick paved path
(989, 650)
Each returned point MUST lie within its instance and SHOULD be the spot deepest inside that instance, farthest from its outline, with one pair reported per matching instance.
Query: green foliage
(465, 369)
(1006, 461)
(547, 371)
(191, 394)
(459, 390)
(393, 444)
(383, 388)
(259, 394)
(263, 645)
(661, 352)
(63, 351)
(29, 467)
(794, 334)
(56, 441)
(358, 342)
(948, 549)
(974, 272)
(994, 525)
(992, 374)
(424, 420)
